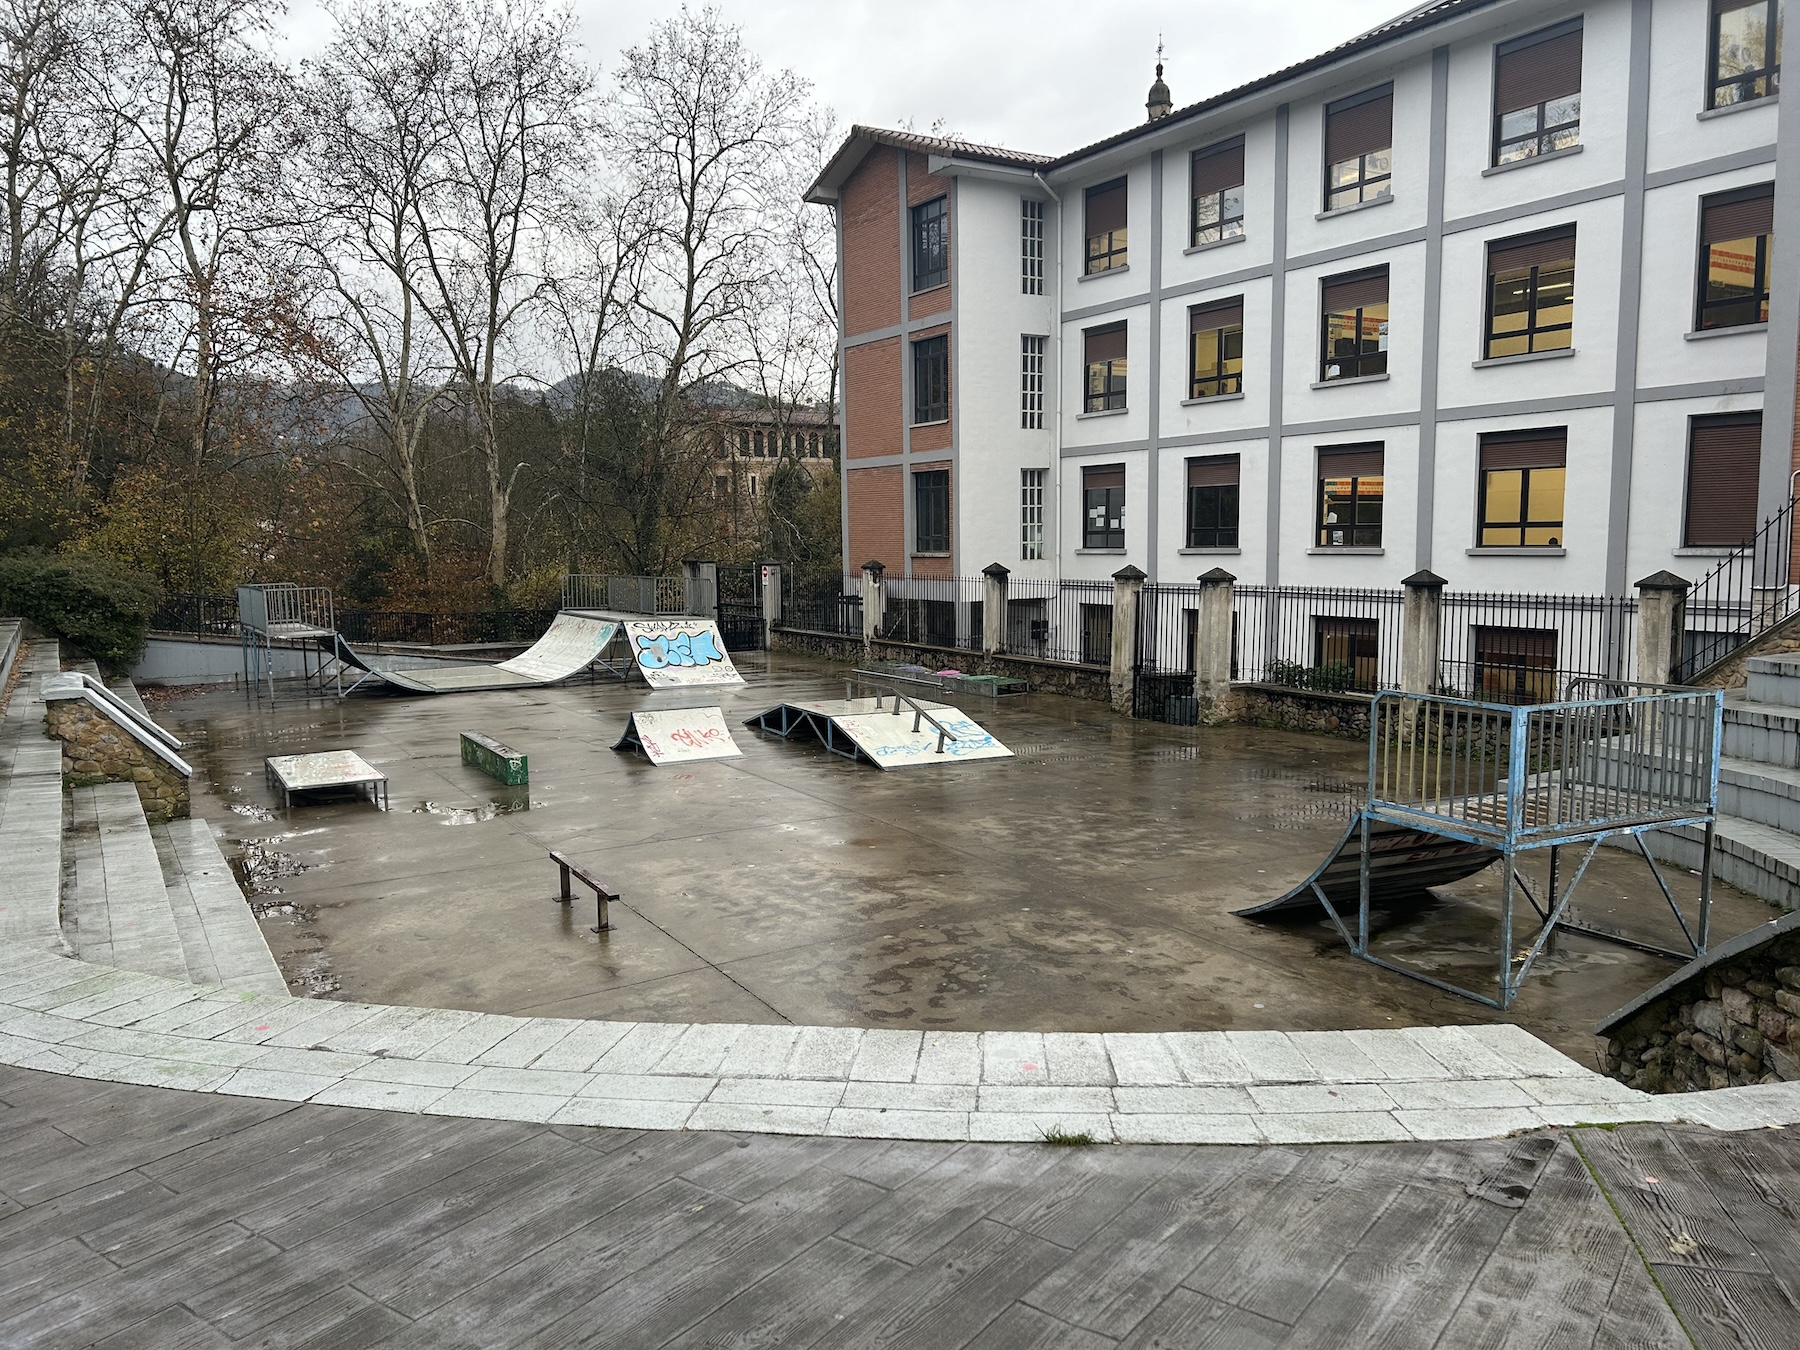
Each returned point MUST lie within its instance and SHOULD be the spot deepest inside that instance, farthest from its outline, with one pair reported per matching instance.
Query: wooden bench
(604, 895)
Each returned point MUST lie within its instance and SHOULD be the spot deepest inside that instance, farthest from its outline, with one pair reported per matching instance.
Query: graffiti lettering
(696, 648)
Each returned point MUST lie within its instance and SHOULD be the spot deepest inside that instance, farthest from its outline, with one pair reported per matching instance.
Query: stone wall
(95, 750)
(1276, 705)
(1731, 673)
(1050, 677)
(1734, 1023)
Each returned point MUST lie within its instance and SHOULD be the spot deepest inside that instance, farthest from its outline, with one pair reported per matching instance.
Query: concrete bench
(495, 760)
(604, 895)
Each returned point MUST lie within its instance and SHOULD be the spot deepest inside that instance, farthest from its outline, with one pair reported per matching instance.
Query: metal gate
(740, 615)
(1162, 679)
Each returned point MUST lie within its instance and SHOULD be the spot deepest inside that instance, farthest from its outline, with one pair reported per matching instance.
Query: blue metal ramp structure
(1455, 785)
(282, 612)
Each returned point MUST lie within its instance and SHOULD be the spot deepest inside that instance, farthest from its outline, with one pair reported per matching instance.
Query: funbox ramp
(679, 735)
(571, 644)
(678, 653)
(860, 729)
(1404, 861)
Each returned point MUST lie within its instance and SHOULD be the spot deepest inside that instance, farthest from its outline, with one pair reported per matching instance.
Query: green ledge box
(496, 760)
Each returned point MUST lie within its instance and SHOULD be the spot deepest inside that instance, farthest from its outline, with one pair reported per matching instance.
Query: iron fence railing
(1506, 648)
(630, 595)
(1747, 594)
(932, 611)
(376, 626)
(1328, 638)
(196, 615)
(840, 613)
(1066, 621)
(277, 608)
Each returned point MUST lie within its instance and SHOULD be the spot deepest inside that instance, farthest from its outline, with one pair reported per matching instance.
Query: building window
(757, 440)
(1218, 186)
(1522, 488)
(1103, 506)
(1355, 325)
(931, 243)
(931, 511)
(1216, 348)
(931, 380)
(1347, 652)
(1103, 352)
(752, 487)
(1737, 235)
(1031, 382)
(1531, 293)
(1350, 492)
(1031, 514)
(1515, 665)
(1745, 59)
(1212, 504)
(743, 443)
(1724, 460)
(1106, 226)
(721, 486)
(1359, 155)
(1031, 246)
(1096, 635)
(1537, 93)
(812, 445)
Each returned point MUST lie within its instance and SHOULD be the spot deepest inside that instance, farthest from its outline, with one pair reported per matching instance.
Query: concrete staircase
(1758, 835)
(105, 885)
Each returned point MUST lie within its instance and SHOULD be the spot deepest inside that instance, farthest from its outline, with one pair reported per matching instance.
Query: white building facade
(1506, 291)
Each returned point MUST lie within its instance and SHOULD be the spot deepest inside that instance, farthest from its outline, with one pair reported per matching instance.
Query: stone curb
(61, 1015)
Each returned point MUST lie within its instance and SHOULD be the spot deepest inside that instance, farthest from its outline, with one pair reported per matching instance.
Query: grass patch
(1057, 1137)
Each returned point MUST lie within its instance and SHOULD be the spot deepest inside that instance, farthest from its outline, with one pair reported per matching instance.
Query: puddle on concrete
(258, 813)
(473, 815)
(259, 865)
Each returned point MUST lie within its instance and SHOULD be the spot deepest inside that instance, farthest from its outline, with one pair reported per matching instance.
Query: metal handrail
(1751, 591)
(918, 713)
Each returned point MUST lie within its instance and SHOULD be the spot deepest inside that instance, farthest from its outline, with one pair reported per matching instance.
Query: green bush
(1332, 678)
(89, 602)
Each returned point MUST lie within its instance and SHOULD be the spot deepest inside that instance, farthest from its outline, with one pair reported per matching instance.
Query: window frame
(1118, 252)
(928, 414)
(1384, 182)
(1695, 424)
(926, 278)
(1031, 246)
(1352, 529)
(1031, 514)
(1380, 355)
(1519, 44)
(1031, 380)
(1219, 377)
(1532, 328)
(1770, 73)
(1222, 223)
(1110, 536)
(936, 481)
(1115, 383)
(1227, 496)
(1760, 268)
(1524, 524)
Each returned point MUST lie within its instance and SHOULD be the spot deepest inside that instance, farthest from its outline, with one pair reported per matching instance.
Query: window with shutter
(1106, 233)
(1515, 665)
(1216, 348)
(1103, 506)
(1737, 234)
(1218, 192)
(1537, 93)
(1354, 325)
(1212, 505)
(1531, 293)
(1103, 352)
(1522, 475)
(1744, 51)
(1724, 457)
(1359, 156)
(1350, 496)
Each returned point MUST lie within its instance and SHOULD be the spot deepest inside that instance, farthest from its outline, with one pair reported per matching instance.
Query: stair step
(31, 811)
(1766, 793)
(122, 913)
(1764, 732)
(220, 938)
(1773, 680)
(1748, 854)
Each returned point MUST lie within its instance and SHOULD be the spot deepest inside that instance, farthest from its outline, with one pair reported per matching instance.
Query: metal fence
(840, 613)
(1327, 638)
(1745, 595)
(1530, 648)
(1067, 621)
(932, 611)
(196, 615)
(630, 595)
(376, 626)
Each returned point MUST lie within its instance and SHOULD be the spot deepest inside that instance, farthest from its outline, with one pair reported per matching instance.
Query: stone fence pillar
(1661, 618)
(1421, 631)
(771, 602)
(993, 608)
(871, 600)
(1212, 636)
(1128, 583)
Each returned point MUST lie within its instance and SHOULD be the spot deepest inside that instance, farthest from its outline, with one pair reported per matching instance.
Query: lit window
(1737, 237)
(1531, 293)
(1216, 349)
(1354, 340)
(1522, 475)
(1350, 495)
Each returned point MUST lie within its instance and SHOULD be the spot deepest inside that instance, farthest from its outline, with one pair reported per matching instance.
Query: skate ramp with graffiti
(571, 644)
(679, 735)
(680, 653)
(1404, 862)
(889, 733)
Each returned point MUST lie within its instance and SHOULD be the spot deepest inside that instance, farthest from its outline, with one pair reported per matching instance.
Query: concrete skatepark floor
(1083, 886)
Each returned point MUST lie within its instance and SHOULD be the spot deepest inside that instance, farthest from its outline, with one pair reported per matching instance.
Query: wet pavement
(1085, 885)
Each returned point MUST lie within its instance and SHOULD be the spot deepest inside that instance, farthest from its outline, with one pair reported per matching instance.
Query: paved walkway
(64, 1016)
(134, 1216)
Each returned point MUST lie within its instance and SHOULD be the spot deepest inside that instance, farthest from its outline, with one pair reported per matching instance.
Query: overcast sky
(1048, 76)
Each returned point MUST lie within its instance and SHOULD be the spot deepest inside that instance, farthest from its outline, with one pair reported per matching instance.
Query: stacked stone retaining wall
(95, 750)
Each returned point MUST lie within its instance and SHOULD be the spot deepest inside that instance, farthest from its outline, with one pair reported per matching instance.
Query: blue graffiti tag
(678, 649)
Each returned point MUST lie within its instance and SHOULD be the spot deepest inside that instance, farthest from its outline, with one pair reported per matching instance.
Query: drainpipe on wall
(1056, 328)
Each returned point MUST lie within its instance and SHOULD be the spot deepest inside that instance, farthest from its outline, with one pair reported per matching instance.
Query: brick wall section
(95, 750)
(872, 412)
(877, 518)
(869, 211)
